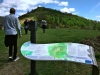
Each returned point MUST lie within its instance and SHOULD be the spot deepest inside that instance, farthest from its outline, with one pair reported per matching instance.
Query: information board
(59, 51)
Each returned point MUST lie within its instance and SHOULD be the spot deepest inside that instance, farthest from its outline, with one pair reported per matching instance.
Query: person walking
(12, 28)
(44, 24)
(26, 26)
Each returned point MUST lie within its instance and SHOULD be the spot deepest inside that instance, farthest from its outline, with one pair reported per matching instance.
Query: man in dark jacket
(26, 26)
(44, 25)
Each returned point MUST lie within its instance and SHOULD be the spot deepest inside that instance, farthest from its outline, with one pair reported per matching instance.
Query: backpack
(44, 22)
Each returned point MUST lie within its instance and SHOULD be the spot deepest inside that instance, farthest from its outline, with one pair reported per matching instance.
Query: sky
(89, 9)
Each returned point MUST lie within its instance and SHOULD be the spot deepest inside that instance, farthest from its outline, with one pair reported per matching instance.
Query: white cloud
(22, 5)
(4, 11)
(20, 13)
(86, 17)
(27, 5)
(68, 10)
(63, 3)
(71, 9)
(48, 1)
(75, 13)
(39, 6)
(98, 16)
(97, 5)
(98, 20)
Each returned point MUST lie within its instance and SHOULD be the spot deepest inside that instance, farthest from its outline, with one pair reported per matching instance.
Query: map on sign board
(57, 51)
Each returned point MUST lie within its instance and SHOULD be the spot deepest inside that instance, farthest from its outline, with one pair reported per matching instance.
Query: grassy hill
(57, 19)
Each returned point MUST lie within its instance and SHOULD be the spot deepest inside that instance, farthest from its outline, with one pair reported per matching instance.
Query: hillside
(57, 19)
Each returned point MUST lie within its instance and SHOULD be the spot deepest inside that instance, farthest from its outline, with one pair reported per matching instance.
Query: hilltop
(57, 19)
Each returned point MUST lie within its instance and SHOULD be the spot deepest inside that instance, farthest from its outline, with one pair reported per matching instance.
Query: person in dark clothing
(26, 26)
(44, 25)
(11, 26)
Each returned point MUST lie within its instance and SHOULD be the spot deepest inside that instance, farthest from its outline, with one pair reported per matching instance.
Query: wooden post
(95, 70)
(33, 40)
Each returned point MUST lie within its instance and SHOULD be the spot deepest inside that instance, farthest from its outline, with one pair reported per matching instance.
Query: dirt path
(12, 68)
(94, 42)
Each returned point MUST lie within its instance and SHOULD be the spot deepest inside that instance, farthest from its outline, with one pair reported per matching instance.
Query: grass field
(22, 66)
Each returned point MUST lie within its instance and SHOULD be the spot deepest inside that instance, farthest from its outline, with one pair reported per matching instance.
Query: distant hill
(57, 19)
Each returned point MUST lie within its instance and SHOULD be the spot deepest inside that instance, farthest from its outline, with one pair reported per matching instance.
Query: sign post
(32, 28)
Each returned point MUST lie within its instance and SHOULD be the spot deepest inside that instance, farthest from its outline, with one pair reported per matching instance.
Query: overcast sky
(89, 9)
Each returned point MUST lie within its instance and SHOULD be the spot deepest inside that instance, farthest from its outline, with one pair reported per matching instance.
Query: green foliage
(57, 19)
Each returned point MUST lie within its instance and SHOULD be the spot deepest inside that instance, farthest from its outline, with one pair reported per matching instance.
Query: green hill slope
(57, 19)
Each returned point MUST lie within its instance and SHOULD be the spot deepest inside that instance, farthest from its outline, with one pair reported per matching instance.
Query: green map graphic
(26, 44)
(58, 50)
(26, 52)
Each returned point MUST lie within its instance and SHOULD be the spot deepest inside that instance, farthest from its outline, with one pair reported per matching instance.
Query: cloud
(4, 11)
(97, 5)
(98, 16)
(75, 13)
(86, 17)
(39, 6)
(20, 13)
(98, 20)
(68, 10)
(22, 5)
(48, 1)
(63, 3)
